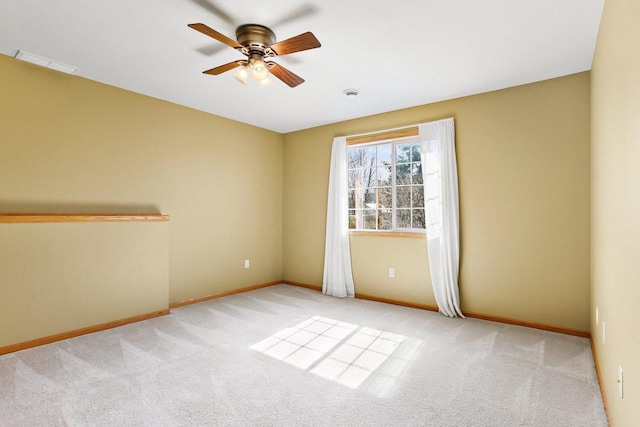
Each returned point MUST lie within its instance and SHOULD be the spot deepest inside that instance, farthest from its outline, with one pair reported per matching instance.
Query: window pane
(385, 195)
(403, 174)
(357, 178)
(418, 218)
(384, 219)
(361, 157)
(370, 198)
(351, 177)
(352, 219)
(352, 199)
(370, 219)
(384, 176)
(358, 218)
(415, 152)
(369, 159)
(358, 199)
(416, 173)
(384, 155)
(404, 218)
(369, 177)
(403, 197)
(352, 157)
(417, 197)
(403, 153)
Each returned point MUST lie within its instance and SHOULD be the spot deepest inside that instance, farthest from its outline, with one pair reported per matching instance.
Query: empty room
(286, 213)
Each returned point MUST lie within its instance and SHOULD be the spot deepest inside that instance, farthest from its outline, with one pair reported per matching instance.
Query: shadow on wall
(25, 206)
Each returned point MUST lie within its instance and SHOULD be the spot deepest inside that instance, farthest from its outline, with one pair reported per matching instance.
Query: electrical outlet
(246, 263)
(392, 272)
(620, 384)
(603, 333)
(597, 316)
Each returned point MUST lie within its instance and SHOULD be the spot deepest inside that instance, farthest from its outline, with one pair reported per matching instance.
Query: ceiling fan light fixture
(260, 70)
(265, 82)
(242, 74)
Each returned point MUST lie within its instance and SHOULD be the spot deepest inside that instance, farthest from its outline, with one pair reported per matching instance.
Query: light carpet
(289, 356)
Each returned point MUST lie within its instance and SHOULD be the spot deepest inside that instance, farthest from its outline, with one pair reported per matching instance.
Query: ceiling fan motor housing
(255, 37)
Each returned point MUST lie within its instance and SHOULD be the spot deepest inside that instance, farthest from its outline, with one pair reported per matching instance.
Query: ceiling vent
(44, 62)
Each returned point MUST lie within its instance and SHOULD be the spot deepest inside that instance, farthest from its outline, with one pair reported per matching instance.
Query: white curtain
(338, 278)
(440, 176)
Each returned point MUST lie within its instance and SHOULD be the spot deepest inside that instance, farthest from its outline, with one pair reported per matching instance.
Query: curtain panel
(440, 177)
(337, 279)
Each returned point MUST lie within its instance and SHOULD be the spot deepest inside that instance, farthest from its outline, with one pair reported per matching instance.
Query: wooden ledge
(58, 217)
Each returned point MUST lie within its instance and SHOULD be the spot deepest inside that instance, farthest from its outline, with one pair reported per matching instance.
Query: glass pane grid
(385, 187)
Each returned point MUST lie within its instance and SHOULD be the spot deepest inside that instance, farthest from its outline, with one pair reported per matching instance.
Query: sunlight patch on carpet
(338, 351)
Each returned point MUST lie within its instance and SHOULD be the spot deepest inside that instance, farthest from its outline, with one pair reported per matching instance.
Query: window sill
(387, 234)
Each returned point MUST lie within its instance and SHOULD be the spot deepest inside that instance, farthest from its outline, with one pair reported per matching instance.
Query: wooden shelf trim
(58, 217)
(399, 134)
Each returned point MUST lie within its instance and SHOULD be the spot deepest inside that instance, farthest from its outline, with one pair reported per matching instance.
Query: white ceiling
(397, 54)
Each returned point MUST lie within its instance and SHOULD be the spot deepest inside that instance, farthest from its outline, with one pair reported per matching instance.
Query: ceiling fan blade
(285, 75)
(298, 43)
(216, 10)
(298, 13)
(223, 68)
(216, 35)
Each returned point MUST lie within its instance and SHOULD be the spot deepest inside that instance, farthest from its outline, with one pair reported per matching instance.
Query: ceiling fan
(258, 44)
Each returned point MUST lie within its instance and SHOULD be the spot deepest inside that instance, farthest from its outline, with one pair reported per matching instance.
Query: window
(385, 186)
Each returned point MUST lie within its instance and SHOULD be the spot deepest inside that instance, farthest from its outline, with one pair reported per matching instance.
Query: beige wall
(68, 144)
(66, 276)
(615, 251)
(523, 159)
